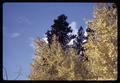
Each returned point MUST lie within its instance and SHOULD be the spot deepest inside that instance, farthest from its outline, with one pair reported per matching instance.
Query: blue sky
(24, 22)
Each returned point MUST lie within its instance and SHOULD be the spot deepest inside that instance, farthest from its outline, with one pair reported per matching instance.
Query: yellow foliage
(55, 64)
(103, 54)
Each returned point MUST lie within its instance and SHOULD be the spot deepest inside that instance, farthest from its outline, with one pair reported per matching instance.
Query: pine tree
(78, 43)
(60, 28)
(102, 43)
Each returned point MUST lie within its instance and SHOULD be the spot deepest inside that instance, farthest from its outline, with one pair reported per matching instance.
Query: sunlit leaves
(103, 55)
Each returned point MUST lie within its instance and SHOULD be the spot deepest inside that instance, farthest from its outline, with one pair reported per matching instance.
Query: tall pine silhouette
(60, 28)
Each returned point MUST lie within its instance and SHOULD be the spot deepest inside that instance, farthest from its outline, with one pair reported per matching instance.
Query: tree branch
(6, 75)
(19, 73)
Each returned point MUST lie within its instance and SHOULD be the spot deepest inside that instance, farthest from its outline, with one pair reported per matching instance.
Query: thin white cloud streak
(24, 19)
(15, 35)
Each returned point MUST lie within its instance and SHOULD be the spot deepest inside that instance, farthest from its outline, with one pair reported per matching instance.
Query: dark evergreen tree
(60, 28)
(78, 43)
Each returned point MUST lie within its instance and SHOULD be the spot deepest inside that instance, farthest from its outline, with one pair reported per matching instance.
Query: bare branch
(19, 73)
(6, 75)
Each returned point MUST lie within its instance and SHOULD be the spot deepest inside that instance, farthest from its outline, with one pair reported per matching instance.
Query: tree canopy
(100, 51)
(60, 28)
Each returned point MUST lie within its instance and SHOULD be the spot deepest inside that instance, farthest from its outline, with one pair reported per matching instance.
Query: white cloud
(85, 33)
(24, 19)
(45, 39)
(75, 30)
(74, 27)
(14, 35)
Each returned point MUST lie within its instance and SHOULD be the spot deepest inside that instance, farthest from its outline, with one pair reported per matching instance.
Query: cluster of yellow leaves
(54, 64)
(102, 50)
